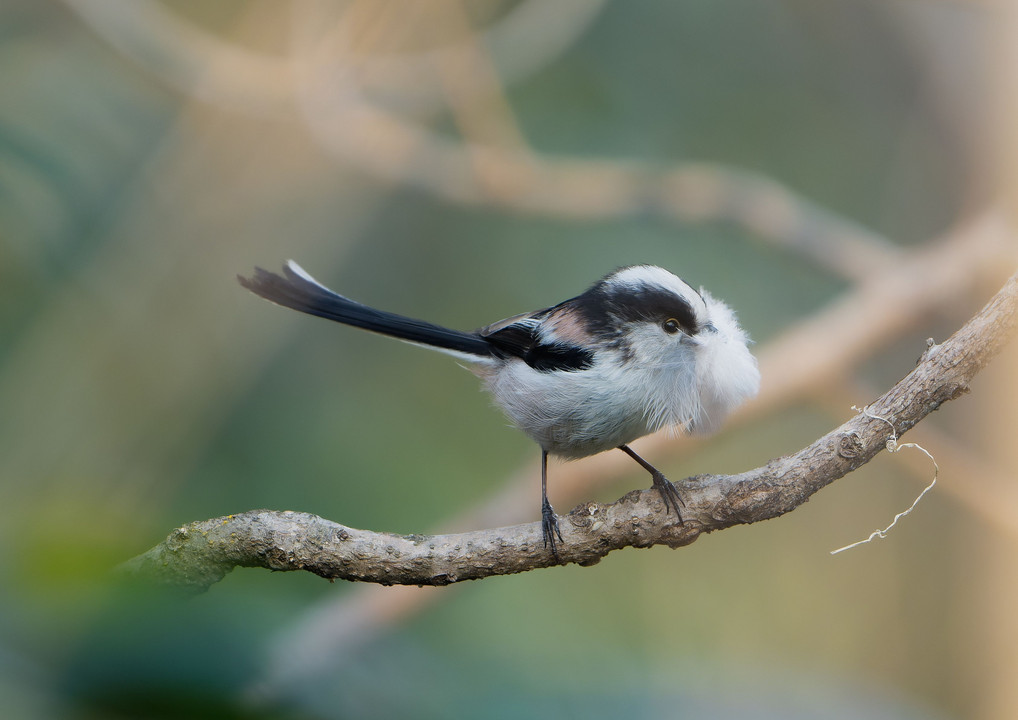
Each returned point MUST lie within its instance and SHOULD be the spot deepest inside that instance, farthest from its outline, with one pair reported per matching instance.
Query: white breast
(580, 413)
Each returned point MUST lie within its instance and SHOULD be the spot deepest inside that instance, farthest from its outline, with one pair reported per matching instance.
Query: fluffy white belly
(575, 414)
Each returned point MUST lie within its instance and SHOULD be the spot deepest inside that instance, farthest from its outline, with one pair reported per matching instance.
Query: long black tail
(297, 290)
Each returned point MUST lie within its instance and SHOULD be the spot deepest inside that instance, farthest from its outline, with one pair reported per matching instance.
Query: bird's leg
(549, 521)
(669, 493)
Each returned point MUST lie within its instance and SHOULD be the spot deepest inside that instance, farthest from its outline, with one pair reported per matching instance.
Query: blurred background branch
(491, 163)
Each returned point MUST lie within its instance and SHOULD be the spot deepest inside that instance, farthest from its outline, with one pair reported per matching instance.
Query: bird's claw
(550, 528)
(669, 494)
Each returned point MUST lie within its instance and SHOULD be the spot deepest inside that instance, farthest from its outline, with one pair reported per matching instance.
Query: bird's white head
(687, 345)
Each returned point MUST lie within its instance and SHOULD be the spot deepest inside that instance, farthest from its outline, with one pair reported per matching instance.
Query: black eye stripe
(605, 308)
(654, 305)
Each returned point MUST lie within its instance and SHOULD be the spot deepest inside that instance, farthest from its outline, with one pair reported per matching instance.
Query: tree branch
(202, 553)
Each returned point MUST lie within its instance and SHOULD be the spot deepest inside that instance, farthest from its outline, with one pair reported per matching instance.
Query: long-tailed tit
(639, 351)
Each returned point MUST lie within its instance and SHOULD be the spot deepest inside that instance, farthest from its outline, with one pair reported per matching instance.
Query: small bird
(639, 351)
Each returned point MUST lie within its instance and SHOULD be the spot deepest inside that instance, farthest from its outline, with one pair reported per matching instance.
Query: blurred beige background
(843, 174)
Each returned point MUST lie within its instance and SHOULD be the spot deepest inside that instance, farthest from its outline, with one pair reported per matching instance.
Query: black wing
(519, 336)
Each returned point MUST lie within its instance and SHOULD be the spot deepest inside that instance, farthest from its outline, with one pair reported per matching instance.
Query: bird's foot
(549, 527)
(669, 494)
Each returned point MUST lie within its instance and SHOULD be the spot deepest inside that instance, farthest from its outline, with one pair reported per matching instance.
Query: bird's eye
(671, 326)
